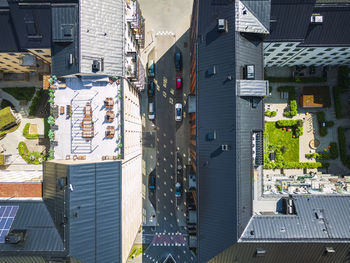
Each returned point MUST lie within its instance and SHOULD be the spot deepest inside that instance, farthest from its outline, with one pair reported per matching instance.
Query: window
(271, 50)
(12, 54)
(298, 58)
(279, 54)
(326, 57)
(47, 56)
(285, 49)
(344, 54)
(343, 49)
(267, 54)
(297, 49)
(313, 58)
(310, 49)
(290, 54)
(328, 49)
(39, 51)
(290, 45)
(336, 57)
(292, 61)
(307, 61)
(320, 54)
(276, 45)
(335, 53)
(304, 54)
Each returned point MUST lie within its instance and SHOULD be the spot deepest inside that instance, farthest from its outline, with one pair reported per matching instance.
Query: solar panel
(7, 216)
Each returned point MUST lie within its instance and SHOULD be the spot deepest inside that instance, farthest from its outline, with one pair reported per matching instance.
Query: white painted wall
(131, 170)
(289, 54)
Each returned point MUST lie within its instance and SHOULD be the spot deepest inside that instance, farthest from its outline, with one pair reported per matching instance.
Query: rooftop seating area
(88, 119)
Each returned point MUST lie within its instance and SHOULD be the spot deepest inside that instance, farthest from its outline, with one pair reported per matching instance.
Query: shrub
(323, 131)
(51, 135)
(310, 79)
(51, 120)
(35, 102)
(321, 116)
(298, 131)
(29, 157)
(284, 149)
(343, 77)
(345, 159)
(50, 155)
(293, 109)
(333, 150)
(270, 89)
(287, 123)
(270, 113)
(329, 124)
(26, 132)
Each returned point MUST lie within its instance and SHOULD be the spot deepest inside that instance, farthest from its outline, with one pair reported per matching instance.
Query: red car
(178, 82)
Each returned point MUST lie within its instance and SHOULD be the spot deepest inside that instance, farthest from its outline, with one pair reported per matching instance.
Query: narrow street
(165, 140)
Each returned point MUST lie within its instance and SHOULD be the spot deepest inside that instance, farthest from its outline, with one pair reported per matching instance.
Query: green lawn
(21, 93)
(278, 137)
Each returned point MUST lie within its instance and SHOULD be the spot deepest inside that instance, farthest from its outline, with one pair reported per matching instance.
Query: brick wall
(20, 190)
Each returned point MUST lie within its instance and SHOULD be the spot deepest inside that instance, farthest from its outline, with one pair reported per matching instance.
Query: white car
(178, 112)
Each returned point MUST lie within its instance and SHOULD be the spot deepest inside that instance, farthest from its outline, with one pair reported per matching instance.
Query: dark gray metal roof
(42, 237)
(260, 9)
(8, 41)
(92, 209)
(334, 29)
(224, 177)
(289, 19)
(305, 225)
(95, 212)
(32, 25)
(62, 47)
(285, 252)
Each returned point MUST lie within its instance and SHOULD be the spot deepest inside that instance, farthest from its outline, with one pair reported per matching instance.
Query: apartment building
(311, 32)
(225, 150)
(93, 186)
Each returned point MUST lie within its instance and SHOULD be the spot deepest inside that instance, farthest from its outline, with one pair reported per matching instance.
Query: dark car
(178, 60)
(151, 89)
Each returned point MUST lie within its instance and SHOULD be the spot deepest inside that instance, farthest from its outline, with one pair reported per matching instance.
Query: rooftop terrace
(89, 119)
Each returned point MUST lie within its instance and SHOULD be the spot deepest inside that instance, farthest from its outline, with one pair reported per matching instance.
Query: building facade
(311, 32)
(227, 145)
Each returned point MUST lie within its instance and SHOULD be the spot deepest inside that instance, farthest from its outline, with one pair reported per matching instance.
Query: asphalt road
(169, 236)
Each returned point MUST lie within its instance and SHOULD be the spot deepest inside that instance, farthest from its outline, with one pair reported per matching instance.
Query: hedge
(321, 116)
(332, 154)
(343, 77)
(345, 159)
(337, 102)
(296, 165)
(293, 109)
(297, 79)
(270, 113)
(289, 123)
(323, 131)
(26, 133)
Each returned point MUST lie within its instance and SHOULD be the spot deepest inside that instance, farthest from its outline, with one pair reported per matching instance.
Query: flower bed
(29, 157)
(26, 132)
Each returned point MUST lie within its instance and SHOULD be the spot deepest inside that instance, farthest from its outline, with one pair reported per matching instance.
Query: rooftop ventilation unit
(225, 147)
(95, 65)
(316, 19)
(222, 25)
(15, 236)
(260, 252)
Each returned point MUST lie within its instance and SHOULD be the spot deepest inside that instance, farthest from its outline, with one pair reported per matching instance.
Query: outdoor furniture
(54, 127)
(75, 157)
(62, 86)
(54, 143)
(68, 111)
(67, 157)
(109, 103)
(110, 116)
(62, 110)
(82, 157)
(110, 131)
(103, 158)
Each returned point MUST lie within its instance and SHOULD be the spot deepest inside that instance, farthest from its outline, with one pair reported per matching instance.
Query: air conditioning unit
(316, 19)
(15, 236)
(222, 25)
(70, 59)
(95, 65)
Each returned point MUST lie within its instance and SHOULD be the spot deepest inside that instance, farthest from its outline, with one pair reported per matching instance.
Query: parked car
(152, 185)
(151, 69)
(151, 113)
(151, 89)
(178, 112)
(178, 190)
(178, 60)
(178, 82)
